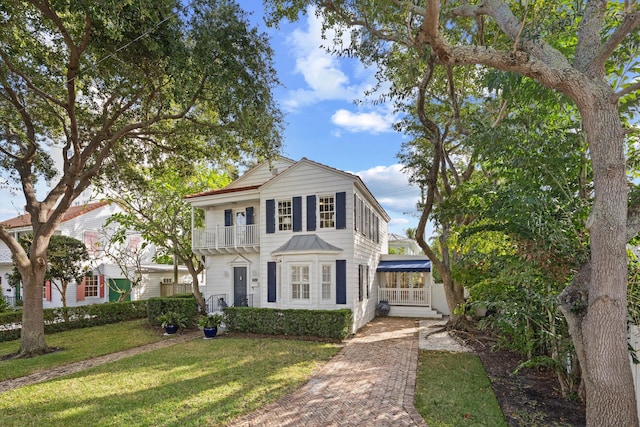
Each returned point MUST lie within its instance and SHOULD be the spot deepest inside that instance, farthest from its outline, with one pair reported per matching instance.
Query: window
(135, 243)
(404, 280)
(91, 286)
(327, 284)
(300, 282)
(327, 212)
(92, 242)
(284, 215)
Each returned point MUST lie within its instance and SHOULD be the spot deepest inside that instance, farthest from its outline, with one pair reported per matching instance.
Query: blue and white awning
(409, 265)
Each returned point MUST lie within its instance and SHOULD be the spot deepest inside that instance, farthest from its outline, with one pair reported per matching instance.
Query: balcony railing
(232, 237)
(406, 296)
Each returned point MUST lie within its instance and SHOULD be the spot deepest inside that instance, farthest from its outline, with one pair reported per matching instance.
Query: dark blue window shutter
(297, 213)
(311, 213)
(271, 281)
(360, 282)
(341, 211)
(341, 281)
(228, 218)
(249, 214)
(271, 216)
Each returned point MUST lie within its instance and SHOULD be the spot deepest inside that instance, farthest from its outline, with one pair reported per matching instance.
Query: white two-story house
(292, 234)
(107, 279)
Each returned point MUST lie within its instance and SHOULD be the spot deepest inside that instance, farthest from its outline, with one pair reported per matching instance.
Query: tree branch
(630, 24)
(627, 90)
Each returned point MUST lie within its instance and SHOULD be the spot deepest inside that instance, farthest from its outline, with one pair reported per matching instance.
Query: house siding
(261, 173)
(302, 183)
(91, 221)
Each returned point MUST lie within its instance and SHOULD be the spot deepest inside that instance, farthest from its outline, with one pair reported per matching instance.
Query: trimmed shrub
(184, 304)
(78, 317)
(335, 324)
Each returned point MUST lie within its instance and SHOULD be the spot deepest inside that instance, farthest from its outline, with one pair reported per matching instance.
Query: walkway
(370, 382)
(72, 368)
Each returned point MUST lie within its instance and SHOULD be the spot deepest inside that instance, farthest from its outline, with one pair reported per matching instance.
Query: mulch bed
(530, 398)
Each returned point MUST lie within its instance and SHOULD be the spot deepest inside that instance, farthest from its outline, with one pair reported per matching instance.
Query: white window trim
(289, 225)
(332, 283)
(304, 301)
(97, 287)
(333, 211)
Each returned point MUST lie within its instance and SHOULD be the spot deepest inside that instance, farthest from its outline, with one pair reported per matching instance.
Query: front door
(240, 286)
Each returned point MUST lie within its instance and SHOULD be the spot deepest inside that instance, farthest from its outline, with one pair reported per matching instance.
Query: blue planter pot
(210, 332)
(171, 329)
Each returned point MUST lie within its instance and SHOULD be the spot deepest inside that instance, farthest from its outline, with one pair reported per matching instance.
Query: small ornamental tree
(67, 262)
(113, 83)
(126, 250)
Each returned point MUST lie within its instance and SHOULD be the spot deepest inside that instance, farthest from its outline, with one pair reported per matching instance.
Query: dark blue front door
(240, 286)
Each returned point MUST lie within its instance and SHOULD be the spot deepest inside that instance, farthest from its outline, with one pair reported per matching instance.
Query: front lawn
(452, 389)
(200, 382)
(79, 344)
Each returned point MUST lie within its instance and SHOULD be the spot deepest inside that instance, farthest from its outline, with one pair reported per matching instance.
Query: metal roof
(306, 243)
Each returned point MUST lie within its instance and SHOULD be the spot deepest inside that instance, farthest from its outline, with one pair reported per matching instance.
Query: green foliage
(211, 320)
(335, 324)
(173, 318)
(633, 289)
(84, 316)
(184, 306)
(4, 305)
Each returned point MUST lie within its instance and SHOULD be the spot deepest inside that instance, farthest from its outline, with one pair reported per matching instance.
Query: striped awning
(410, 265)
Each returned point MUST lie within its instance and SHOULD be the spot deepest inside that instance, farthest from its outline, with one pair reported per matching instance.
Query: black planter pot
(383, 308)
(171, 329)
(210, 332)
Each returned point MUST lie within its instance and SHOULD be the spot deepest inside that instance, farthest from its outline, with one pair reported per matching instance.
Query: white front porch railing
(406, 296)
(235, 236)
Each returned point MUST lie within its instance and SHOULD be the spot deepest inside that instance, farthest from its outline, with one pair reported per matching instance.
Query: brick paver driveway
(371, 382)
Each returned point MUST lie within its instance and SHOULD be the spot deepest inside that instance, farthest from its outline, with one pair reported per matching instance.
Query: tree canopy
(112, 82)
(586, 51)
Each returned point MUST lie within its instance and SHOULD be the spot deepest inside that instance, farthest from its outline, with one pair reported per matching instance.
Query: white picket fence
(634, 340)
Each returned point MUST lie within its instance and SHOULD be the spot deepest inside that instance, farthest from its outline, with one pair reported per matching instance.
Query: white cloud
(325, 75)
(390, 186)
(372, 122)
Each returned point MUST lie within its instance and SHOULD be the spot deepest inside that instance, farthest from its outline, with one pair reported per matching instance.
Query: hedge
(335, 324)
(78, 317)
(184, 304)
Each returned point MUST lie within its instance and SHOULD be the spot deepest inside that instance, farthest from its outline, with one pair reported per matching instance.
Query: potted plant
(210, 323)
(172, 320)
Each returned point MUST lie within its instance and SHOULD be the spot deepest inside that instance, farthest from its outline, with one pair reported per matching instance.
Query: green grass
(79, 344)
(200, 382)
(453, 390)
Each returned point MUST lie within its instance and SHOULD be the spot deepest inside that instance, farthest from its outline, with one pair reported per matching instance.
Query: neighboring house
(298, 235)
(403, 245)
(84, 222)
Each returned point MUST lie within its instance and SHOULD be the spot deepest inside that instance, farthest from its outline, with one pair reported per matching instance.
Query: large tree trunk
(195, 283)
(32, 340)
(606, 370)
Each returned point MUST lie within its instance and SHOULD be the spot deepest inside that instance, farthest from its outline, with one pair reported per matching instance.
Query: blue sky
(323, 122)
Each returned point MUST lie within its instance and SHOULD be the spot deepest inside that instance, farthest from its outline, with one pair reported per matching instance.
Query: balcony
(226, 240)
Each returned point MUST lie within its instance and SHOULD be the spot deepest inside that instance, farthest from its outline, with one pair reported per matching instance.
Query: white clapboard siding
(261, 173)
